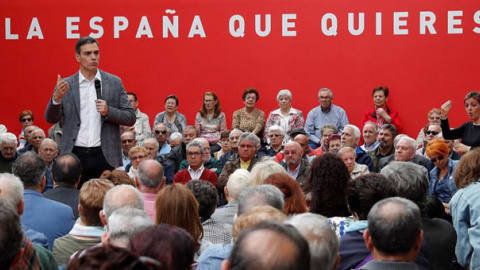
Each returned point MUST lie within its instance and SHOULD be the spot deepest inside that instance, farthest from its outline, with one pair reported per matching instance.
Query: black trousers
(93, 162)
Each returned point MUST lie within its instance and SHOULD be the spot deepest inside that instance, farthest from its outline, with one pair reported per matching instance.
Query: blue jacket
(49, 217)
(465, 210)
(443, 190)
(364, 158)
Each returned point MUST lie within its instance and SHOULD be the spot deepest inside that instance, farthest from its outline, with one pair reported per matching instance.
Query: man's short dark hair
(206, 195)
(67, 168)
(394, 224)
(84, 40)
(391, 128)
(282, 237)
(132, 94)
(30, 168)
(11, 233)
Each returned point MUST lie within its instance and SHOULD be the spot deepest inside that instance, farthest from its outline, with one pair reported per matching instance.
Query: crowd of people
(102, 189)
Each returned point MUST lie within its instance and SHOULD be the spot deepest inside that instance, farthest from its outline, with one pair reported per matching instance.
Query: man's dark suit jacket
(418, 159)
(119, 113)
(66, 195)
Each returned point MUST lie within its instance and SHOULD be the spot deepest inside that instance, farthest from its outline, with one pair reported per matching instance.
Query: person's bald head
(150, 174)
(293, 152)
(302, 140)
(118, 197)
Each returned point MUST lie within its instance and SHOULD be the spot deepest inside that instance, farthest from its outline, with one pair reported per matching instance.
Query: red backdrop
(421, 70)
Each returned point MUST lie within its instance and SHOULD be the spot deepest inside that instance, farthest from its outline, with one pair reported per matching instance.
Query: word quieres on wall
(261, 24)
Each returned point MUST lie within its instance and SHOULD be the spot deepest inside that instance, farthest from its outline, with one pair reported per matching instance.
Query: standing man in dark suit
(93, 104)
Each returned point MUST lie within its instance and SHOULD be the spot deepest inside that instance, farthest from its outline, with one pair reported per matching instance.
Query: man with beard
(385, 145)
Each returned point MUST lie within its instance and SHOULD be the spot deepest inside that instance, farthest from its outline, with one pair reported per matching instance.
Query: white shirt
(91, 121)
(294, 173)
(195, 175)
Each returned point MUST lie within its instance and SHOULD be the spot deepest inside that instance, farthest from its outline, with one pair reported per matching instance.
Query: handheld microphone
(98, 88)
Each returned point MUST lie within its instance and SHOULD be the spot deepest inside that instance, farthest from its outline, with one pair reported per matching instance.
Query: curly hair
(206, 195)
(327, 183)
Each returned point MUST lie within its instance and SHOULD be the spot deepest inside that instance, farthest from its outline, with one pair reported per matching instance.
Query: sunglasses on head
(437, 159)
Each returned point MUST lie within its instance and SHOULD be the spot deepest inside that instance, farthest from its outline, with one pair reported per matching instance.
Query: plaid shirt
(217, 232)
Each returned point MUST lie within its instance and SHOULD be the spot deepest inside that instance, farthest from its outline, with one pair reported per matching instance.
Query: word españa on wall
(262, 24)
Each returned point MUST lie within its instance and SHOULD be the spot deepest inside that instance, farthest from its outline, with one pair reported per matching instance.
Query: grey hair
(152, 140)
(346, 149)
(410, 140)
(176, 136)
(147, 176)
(251, 137)
(260, 195)
(276, 128)
(11, 188)
(30, 168)
(329, 126)
(122, 196)
(48, 140)
(370, 123)
(393, 224)
(39, 130)
(321, 238)
(235, 130)
(356, 130)
(324, 89)
(11, 233)
(397, 139)
(238, 181)
(201, 140)
(8, 138)
(196, 144)
(411, 180)
(284, 92)
(128, 133)
(126, 222)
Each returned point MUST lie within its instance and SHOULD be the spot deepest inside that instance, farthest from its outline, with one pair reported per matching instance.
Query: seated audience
(151, 145)
(439, 235)
(174, 120)
(175, 139)
(276, 136)
(128, 141)
(248, 145)
(214, 231)
(196, 169)
(322, 240)
(326, 113)
(333, 143)
(295, 165)
(269, 245)
(238, 180)
(361, 194)
(142, 124)
(464, 207)
(264, 169)
(179, 153)
(293, 195)
(385, 148)
(209, 162)
(249, 118)
(260, 195)
(172, 246)
(348, 156)
(210, 121)
(118, 177)
(118, 197)
(123, 224)
(433, 117)
(434, 131)
(405, 151)
(394, 234)
(88, 230)
(381, 113)
(36, 139)
(351, 138)
(49, 217)
(66, 173)
(28, 138)
(325, 132)
(233, 142)
(161, 134)
(286, 116)
(176, 205)
(48, 152)
(224, 143)
(26, 119)
(136, 154)
(8, 151)
(149, 181)
(370, 133)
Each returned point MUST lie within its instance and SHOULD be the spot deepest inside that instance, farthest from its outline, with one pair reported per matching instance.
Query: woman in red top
(381, 113)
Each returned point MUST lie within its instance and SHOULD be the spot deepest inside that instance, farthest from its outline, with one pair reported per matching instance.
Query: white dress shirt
(195, 175)
(91, 122)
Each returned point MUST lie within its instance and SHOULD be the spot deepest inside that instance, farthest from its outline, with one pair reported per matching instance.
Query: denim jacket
(465, 210)
(443, 191)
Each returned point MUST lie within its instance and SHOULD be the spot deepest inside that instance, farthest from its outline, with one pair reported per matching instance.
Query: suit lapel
(75, 87)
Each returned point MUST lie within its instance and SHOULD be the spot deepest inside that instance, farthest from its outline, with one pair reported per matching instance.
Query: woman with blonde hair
(263, 169)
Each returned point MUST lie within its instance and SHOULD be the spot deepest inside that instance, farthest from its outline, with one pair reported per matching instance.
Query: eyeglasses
(275, 135)
(160, 131)
(252, 97)
(127, 141)
(437, 159)
(138, 157)
(432, 132)
(194, 154)
(249, 146)
(27, 120)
